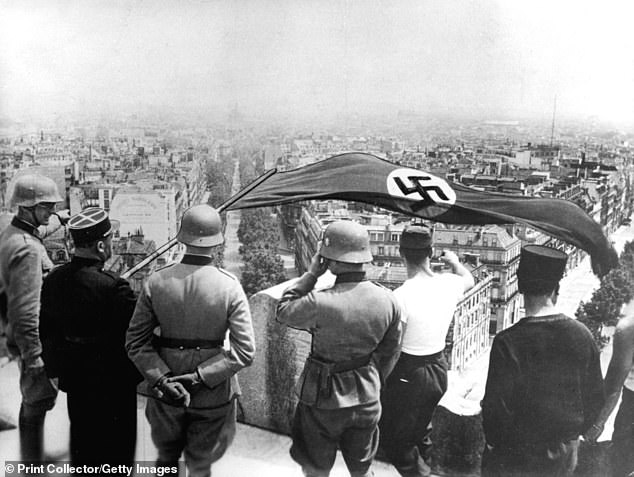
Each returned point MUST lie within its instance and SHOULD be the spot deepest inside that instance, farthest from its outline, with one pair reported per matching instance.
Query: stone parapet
(269, 399)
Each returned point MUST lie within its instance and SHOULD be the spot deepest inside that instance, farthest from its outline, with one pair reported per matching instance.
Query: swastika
(423, 190)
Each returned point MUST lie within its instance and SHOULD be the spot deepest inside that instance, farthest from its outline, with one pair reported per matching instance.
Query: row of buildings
(144, 185)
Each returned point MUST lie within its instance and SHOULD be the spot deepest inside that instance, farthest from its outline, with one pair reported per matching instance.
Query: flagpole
(172, 242)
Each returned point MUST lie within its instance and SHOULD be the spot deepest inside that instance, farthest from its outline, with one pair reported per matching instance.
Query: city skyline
(491, 59)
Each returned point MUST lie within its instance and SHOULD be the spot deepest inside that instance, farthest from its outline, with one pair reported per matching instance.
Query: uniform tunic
(192, 300)
(85, 315)
(544, 389)
(356, 330)
(23, 263)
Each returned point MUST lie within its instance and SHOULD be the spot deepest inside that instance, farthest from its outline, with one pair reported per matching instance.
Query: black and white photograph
(282, 238)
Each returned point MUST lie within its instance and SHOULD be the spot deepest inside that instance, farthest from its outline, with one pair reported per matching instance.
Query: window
(381, 250)
(394, 238)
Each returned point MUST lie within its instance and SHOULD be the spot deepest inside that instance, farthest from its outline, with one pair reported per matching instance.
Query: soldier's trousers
(409, 398)
(203, 435)
(103, 426)
(318, 432)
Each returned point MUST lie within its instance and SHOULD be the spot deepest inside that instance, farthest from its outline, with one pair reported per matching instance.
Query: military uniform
(23, 263)
(193, 304)
(356, 330)
(85, 314)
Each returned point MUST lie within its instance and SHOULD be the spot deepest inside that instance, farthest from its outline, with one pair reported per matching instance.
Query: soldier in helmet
(23, 264)
(356, 331)
(191, 377)
(85, 315)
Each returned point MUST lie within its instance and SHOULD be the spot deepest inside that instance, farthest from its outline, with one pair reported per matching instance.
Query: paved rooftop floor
(255, 452)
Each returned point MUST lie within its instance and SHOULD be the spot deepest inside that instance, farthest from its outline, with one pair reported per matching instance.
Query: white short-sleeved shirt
(428, 304)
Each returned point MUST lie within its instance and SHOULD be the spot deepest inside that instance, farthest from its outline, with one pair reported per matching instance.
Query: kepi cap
(89, 225)
(540, 268)
(416, 237)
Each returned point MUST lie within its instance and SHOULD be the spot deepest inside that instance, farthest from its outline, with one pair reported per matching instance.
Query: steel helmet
(33, 189)
(200, 227)
(346, 241)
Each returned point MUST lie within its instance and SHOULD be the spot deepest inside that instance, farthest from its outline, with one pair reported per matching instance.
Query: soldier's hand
(176, 392)
(63, 216)
(189, 380)
(318, 265)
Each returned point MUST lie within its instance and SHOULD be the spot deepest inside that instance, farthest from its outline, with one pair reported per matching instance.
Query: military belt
(326, 370)
(186, 343)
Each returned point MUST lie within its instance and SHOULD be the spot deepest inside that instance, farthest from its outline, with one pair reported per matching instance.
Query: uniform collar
(350, 277)
(196, 260)
(27, 227)
(87, 262)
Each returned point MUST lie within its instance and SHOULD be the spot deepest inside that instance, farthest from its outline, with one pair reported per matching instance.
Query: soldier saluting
(193, 304)
(356, 331)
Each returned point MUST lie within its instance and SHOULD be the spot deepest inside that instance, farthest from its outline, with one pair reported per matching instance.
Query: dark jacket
(544, 384)
(83, 321)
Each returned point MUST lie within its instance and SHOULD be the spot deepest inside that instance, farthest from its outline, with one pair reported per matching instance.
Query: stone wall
(268, 396)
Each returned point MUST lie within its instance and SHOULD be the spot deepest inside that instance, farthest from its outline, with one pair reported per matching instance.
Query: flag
(366, 178)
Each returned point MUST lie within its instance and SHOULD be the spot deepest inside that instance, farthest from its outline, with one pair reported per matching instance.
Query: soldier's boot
(31, 437)
(31, 430)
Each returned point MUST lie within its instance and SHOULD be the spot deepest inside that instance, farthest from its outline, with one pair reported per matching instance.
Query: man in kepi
(356, 331)
(419, 378)
(23, 264)
(192, 377)
(85, 315)
(544, 387)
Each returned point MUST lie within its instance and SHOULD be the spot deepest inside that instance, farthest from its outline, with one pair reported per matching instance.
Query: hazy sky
(497, 58)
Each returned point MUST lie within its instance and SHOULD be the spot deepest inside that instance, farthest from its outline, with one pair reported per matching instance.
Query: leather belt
(186, 343)
(326, 370)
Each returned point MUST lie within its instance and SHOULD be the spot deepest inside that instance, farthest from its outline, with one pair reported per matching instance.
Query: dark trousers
(317, 433)
(102, 425)
(202, 434)
(623, 436)
(409, 399)
(558, 460)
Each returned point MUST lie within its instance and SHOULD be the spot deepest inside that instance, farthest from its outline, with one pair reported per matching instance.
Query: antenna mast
(552, 129)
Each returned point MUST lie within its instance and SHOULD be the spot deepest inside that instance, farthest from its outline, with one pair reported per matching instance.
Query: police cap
(540, 268)
(416, 237)
(89, 225)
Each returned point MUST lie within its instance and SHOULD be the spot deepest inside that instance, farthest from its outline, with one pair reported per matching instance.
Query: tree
(616, 289)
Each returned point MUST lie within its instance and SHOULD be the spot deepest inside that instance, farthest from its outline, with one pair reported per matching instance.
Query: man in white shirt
(419, 380)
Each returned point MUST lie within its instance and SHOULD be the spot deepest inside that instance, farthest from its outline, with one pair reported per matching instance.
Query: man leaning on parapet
(356, 331)
(23, 264)
(544, 387)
